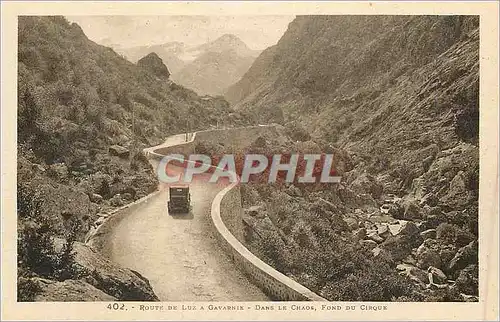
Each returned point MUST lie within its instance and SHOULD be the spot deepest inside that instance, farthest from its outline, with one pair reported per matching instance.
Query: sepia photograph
(249, 162)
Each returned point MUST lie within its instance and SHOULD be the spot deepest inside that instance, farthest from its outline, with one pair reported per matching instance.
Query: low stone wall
(184, 149)
(272, 282)
(231, 213)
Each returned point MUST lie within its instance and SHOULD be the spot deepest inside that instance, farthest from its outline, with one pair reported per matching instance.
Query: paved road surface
(180, 255)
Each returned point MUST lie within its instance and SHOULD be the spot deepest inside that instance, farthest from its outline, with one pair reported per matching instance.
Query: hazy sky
(258, 32)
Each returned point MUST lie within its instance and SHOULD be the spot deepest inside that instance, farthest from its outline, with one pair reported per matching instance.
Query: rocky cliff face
(400, 96)
(397, 92)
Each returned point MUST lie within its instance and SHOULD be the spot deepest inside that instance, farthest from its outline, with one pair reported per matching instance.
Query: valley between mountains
(395, 99)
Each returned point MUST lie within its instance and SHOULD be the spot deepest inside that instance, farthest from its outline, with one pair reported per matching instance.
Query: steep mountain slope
(399, 94)
(213, 72)
(227, 42)
(381, 86)
(84, 113)
(216, 65)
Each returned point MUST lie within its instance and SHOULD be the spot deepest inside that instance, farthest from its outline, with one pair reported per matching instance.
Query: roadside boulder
(121, 283)
(67, 291)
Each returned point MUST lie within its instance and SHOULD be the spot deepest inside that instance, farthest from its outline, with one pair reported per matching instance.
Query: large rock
(123, 284)
(95, 197)
(383, 230)
(67, 291)
(398, 246)
(429, 233)
(465, 256)
(438, 277)
(428, 254)
(375, 237)
(360, 234)
(119, 151)
(403, 227)
(414, 273)
(352, 223)
(428, 258)
(370, 244)
(434, 217)
(411, 210)
(468, 280)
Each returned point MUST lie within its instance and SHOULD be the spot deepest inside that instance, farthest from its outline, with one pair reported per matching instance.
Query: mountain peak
(153, 63)
(229, 37)
(228, 42)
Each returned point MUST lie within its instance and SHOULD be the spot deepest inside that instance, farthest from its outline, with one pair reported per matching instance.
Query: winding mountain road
(180, 255)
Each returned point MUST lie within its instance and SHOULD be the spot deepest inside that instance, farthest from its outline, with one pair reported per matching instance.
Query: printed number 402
(116, 306)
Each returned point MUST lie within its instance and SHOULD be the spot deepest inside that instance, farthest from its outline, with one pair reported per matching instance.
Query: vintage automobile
(180, 200)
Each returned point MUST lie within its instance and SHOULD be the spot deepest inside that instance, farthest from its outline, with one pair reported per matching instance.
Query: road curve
(180, 255)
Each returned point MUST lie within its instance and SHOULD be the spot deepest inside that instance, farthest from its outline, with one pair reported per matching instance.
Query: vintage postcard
(250, 160)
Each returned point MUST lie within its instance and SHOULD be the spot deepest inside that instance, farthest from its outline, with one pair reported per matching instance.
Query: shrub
(27, 289)
(28, 115)
(37, 253)
(104, 189)
(376, 281)
(453, 234)
(446, 232)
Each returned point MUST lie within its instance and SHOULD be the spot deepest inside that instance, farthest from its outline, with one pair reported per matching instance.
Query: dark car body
(180, 200)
